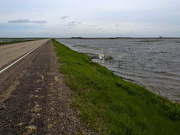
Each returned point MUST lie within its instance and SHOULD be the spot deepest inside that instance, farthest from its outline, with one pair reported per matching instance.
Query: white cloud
(20, 21)
(64, 17)
(93, 26)
(25, 21)
(39, 21)
(126, 17)
(73, 23)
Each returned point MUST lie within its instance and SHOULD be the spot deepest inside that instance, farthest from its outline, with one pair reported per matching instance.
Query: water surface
(152, 63)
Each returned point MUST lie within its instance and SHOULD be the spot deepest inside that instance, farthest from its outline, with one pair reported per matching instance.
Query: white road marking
(18, 60)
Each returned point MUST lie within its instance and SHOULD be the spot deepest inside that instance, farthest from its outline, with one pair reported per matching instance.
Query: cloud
(39, 21)
(64, 17)
(94, 26)
(117, 25)
(73, 23)
(20, 21)
(25, 21)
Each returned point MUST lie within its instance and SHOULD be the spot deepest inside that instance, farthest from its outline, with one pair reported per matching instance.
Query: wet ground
(38, 101)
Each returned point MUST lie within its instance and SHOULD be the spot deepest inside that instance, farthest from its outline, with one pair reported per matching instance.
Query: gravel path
(39, 101)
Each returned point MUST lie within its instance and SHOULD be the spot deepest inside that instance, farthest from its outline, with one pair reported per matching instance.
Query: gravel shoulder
(38, 101)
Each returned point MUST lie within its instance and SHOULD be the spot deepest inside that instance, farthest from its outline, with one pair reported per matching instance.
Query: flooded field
(152, 63)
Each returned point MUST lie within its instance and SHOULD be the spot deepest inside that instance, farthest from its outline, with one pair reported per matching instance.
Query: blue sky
(89, 18)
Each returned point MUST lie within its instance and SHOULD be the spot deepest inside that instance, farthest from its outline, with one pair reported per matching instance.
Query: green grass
(108, 105)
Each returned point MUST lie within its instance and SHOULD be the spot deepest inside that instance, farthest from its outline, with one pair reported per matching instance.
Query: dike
(107, 104)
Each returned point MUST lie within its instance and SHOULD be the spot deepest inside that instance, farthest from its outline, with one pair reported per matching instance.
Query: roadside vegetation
(108, 105)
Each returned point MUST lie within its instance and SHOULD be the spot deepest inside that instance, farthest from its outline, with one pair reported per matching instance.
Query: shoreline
(147, 72)
(122, 38)
(112, 102)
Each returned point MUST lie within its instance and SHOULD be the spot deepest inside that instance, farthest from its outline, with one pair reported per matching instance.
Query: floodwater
(152, 63)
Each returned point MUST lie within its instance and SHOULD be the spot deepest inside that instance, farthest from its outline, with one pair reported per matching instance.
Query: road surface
(11, 52)
(37, 101)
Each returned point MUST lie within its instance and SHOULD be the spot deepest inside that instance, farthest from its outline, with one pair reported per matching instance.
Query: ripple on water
(152, 63)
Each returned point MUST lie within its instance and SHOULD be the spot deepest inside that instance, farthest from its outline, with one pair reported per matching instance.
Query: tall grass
(108, 105)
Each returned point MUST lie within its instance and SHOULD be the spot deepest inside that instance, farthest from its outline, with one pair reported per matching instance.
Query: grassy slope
(109, 105)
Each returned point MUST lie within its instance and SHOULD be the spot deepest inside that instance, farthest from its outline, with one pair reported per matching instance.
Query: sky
(90, 18)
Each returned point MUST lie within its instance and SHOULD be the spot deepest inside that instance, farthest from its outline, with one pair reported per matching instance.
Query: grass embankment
(109, 105)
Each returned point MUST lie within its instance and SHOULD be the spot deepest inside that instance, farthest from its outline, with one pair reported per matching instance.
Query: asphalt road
(11, 52)
(37, 101)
